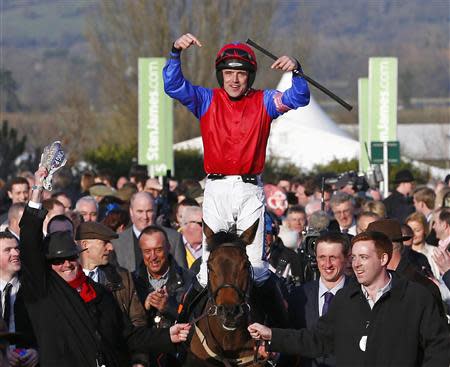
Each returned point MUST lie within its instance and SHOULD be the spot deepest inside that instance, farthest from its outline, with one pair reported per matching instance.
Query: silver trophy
(53, 158)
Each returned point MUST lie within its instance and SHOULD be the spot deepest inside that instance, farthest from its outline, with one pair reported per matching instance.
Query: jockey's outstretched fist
(186, 41)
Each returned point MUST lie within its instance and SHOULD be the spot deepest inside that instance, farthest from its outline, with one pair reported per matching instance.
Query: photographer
(284, 259)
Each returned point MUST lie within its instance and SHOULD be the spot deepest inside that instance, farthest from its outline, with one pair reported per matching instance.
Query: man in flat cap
(400, 203)
(95, 238)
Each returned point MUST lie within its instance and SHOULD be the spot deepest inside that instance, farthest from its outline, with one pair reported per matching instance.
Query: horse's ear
(208, 232)
(249, 234)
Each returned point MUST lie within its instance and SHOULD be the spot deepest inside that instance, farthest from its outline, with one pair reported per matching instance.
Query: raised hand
(39, 175)
(285, 63)
(186, 41)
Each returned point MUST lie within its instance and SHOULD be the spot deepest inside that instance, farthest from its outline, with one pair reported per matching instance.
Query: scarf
(84, 289)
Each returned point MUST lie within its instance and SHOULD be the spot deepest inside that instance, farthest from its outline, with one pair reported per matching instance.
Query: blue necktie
(326, 304)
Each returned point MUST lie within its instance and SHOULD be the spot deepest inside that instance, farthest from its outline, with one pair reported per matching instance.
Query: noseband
(243, 294)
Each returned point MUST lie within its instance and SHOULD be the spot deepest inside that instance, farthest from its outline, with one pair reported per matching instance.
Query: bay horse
(220, 336)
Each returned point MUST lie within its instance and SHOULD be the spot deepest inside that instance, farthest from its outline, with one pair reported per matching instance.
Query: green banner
(363, 122)
(382, 99)
(155, 141)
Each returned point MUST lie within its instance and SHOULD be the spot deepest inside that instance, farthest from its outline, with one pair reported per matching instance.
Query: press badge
(363, 343)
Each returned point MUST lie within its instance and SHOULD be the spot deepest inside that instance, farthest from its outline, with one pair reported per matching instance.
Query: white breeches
(230, 201)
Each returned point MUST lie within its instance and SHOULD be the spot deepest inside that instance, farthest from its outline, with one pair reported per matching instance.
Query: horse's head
(229, 274)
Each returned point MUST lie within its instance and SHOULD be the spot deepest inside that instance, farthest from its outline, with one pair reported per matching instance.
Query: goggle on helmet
(237, 56)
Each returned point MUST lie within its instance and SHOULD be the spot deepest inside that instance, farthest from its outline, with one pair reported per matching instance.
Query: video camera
(307, 253)
(360, 182)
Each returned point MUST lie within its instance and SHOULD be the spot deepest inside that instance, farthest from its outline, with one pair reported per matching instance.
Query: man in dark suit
(142, 214)
(367, 323)
(400, 203)
(12, 309)
(310, 301)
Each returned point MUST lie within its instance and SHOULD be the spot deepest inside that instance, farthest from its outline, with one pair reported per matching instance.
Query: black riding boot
(269, 297)
(193, 302)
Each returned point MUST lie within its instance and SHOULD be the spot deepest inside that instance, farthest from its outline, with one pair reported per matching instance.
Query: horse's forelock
(223, 237)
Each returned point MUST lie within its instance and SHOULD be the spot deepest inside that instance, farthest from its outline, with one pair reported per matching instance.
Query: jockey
(235, 124)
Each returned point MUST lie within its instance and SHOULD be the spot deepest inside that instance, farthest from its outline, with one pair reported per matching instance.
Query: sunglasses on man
(62, 260)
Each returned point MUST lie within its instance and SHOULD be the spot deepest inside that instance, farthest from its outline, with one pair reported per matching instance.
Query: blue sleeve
(277, 102)
(196, 99)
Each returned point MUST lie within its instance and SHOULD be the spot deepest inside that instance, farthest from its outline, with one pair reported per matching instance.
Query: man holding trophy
(77, 321)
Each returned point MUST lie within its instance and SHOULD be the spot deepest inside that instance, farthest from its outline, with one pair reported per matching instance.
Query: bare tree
(76, 124)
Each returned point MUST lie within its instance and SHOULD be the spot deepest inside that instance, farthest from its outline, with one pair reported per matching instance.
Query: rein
(214, 310)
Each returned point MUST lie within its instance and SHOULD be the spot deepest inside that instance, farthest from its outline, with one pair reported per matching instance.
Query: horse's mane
(222, 237)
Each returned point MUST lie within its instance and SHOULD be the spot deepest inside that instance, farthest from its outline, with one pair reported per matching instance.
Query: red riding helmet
(238, 56)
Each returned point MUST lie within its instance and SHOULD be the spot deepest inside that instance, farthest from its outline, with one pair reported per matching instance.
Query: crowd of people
(142, 258)
(106, 271)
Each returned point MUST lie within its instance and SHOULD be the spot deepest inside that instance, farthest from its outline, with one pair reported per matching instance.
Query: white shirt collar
(14, 282)
(95, 276)
(323, 288)
(13, 233)
(380, 292)
(136, 232)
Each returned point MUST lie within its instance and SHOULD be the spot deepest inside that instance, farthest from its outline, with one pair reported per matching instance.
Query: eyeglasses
(339, 213)
(60, 261)
(194, 222)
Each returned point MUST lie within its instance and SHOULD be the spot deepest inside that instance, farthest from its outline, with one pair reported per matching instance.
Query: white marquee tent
(304, 137)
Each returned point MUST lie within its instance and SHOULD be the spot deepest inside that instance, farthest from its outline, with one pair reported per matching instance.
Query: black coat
(418, 260)
(178, 281)
(23, 324)
(69, 331)
(407, 270)
(398, 206)
(404, 328)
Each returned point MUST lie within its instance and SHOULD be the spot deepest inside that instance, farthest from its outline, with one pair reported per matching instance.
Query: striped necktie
(92, 275)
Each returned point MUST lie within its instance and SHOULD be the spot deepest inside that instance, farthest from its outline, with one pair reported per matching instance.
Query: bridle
(213, 309)
(244, 294)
